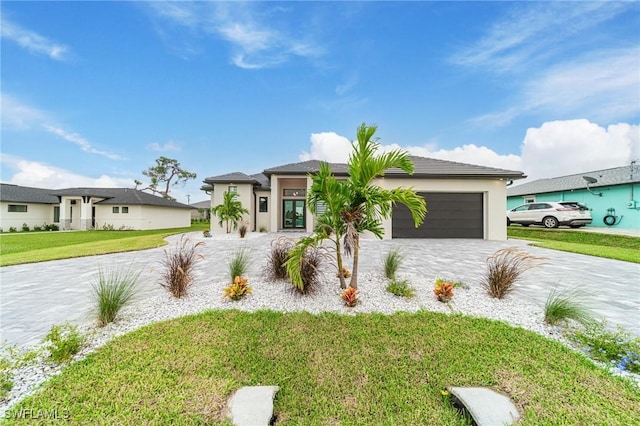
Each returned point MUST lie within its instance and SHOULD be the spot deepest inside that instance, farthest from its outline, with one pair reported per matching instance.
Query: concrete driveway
(34, 297)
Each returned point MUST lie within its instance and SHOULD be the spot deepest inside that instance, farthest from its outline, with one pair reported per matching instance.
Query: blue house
(612, 195)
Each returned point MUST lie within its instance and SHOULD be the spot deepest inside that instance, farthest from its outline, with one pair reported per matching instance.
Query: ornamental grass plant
(505, 267)
(112, 290)
(179, 262)
(561, 307)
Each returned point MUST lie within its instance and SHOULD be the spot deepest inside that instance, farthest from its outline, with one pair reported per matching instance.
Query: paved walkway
(34, 297)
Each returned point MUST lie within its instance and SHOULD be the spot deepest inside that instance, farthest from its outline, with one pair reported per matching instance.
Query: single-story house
(463, 200)
(89, 208)
(201, 210)
(612, 195)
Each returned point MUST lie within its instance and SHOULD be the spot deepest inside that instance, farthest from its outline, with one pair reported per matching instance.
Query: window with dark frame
(263, 202)
(115, 209)
(17, 208)
(125, 209)
(233, 188)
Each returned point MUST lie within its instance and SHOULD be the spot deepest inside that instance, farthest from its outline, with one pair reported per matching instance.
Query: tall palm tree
(230, 211)
(370, 204)
(356, 205)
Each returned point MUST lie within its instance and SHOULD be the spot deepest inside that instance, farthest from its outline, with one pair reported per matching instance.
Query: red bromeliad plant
(350, 296)
(443, 290)
(238, 289)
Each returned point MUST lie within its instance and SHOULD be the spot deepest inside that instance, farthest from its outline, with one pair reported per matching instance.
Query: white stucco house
(463, 200)
(89, 208)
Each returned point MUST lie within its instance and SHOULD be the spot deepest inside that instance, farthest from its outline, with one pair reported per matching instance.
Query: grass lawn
(332, 369)
(619, 247)
(30, 247)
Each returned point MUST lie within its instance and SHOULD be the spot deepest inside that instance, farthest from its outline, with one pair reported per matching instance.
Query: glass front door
(293, 214)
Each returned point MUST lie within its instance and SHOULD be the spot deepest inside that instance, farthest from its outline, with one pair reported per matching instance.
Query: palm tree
(370, 204)
(356, 205)
(230, 211)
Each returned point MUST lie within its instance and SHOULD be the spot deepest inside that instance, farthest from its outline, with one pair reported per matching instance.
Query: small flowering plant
(350, 297)
(345, 273)
(238, 289)
(443, 290)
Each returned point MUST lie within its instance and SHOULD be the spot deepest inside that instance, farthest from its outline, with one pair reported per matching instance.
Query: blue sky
(93, 92)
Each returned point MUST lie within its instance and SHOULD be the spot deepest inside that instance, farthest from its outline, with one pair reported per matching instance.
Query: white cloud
(18, 116)
(328, 146)
(77, 139)
(556, 148)
(255, 41)
(32, 41)
(559, 148)
(168, 146)
(531, 32)
(42, 175)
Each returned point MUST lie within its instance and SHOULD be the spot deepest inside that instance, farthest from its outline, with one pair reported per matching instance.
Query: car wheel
(526, 225)
(550, 222)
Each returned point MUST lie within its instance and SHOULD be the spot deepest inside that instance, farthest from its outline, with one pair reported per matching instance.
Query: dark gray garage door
(450, 215)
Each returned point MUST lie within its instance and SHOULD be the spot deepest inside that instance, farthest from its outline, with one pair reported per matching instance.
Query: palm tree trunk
(356, 257)
(343, 283)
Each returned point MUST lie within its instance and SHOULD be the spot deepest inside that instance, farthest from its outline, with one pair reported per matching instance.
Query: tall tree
(356, 205)
(166, 173)
(230, 211)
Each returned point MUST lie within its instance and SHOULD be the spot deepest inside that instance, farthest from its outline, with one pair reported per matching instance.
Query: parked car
(550, 214)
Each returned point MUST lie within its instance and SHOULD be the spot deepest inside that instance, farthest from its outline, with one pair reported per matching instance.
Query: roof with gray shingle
(423, 167)
(607, 177)
(119, 196)
(305, 167)
(24, 194)
(235, 177)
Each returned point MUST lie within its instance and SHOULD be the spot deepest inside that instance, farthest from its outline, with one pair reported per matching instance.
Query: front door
(293, 216)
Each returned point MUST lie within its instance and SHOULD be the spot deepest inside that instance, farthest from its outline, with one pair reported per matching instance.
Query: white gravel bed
(277, 296)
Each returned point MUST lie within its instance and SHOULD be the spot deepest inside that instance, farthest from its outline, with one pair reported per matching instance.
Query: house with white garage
(463, 200)
(89, 208)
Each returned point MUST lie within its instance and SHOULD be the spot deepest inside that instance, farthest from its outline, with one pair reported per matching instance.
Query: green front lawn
(619, 247)
(29, 247)
(332, 369)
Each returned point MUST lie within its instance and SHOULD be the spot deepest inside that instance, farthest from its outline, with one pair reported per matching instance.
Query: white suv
(550, 214)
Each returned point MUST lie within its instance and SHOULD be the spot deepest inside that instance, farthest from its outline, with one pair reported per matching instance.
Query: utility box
(632, 204)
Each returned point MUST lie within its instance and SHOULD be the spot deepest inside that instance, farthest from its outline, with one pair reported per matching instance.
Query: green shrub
(401, 288)
(51, 227)
(263, 229)
(279, 254)
(392, 263)
(37, 228)
(613, 346)
(505, 267)
(560, 307)
(112, 291)
(178, 263)
(63, 342)
(310, 270)
(12, 358)
(238, 265)
(12, 229)
(25, 227)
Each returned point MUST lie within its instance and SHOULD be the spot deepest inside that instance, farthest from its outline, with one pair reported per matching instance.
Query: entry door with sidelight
(293, 214)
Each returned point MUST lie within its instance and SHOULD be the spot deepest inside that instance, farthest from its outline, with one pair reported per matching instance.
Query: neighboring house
(463, 200)
(89, 208)
(612, 195)
(201, 210)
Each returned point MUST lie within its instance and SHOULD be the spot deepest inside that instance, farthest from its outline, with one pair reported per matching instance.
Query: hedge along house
(612, 195)
(89, 208)
(463, 200)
